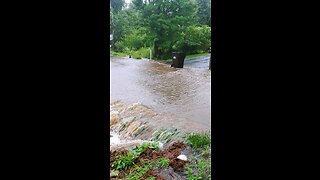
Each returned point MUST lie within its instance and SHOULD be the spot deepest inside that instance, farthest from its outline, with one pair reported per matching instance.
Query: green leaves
(164, 25)
(199, 141)
(126, 161)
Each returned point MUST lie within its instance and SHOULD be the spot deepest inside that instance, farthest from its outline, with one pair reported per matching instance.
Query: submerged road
(182, 92)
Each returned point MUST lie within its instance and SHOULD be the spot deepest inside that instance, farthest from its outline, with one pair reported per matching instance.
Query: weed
(163, 162)
(151, 178)
(204, 168)
(124, 162)
(203, 171)
(137, 172)
(198, 141)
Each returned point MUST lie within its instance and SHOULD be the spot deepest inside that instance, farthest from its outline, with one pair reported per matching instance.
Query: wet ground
(171, 153)
(182, 93)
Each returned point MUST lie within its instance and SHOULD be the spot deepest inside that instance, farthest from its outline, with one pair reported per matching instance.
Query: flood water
(184, 93)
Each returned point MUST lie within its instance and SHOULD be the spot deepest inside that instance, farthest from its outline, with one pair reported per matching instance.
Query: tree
(138, 3)
(165, 19)
(117, 5)
(204, 12)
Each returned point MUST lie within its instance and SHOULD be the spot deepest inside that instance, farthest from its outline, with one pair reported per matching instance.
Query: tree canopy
(162, 25)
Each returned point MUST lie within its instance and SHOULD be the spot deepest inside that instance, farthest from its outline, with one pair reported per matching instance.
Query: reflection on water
(183, 92)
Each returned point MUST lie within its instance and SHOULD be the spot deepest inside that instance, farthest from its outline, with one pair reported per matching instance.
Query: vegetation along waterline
(152, 145)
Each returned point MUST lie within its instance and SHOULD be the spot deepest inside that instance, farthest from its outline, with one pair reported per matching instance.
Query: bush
(119, 46)
(141, 53)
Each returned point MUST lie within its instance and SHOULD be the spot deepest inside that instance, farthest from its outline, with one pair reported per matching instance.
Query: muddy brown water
(184, 93)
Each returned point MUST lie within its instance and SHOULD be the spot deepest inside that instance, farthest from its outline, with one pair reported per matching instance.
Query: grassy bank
(138, 54)
(147, 161)
(120, 54)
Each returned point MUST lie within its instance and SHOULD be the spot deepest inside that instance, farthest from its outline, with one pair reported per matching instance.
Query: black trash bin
(178, 59)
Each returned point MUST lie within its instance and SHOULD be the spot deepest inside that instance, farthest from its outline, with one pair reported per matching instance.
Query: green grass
(126, 161)
(200, 165)
(199, 141)
(196, 55)
(162, 162)
(140, 170)
(118, 53)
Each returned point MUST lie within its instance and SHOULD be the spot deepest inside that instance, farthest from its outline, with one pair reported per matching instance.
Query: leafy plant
(124, 162)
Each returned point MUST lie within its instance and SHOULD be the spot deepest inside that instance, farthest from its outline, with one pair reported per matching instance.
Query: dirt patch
(172, 152)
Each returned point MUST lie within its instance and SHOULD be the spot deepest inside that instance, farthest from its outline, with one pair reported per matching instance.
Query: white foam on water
(115, 141)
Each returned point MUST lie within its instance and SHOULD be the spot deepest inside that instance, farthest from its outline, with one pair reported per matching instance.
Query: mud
(172, 152)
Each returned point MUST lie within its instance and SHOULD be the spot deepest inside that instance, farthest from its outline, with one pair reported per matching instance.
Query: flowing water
(183, 93)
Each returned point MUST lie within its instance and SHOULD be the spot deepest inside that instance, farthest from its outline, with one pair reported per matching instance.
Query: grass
(200, 166)
(201, 171)
(140, 170)
(199, 141)
(118, 53)
(126, 161)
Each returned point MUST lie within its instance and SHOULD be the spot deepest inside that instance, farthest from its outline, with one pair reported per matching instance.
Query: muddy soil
(174, 171)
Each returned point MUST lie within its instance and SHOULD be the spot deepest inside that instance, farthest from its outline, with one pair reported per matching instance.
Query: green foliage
(126, 161)
(141, 53)
(139, 170)
(194, 40)
(201, 171)
(117, 5)
(136, 38)
(163, 162)
(163, 25)
(199, 141)
(151, 178)
(204, 12)
(145, 146)
(118, 54)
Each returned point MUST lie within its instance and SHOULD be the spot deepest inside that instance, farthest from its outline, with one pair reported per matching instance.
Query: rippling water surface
(183, 92)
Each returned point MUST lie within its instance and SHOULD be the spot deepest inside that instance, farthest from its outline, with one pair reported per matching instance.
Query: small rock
(182, 157)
